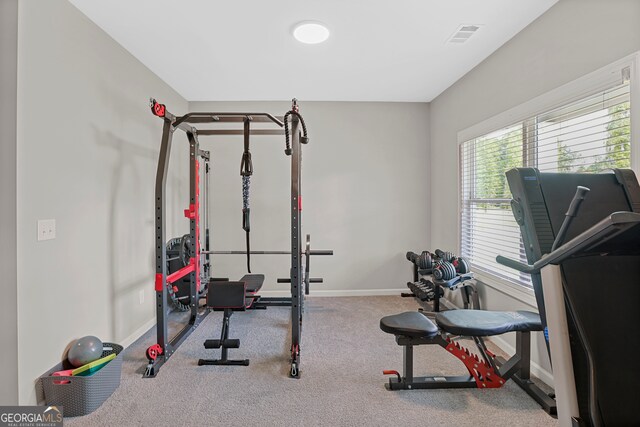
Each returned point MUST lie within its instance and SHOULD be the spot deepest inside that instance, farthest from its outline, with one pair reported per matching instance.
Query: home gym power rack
(198, 266)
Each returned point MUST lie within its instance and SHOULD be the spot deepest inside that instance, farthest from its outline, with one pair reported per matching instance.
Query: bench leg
(409, 382)
(225, 344)
(522, 377)
(407, 363)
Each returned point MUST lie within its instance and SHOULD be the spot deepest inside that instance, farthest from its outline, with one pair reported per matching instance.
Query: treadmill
(585, 269)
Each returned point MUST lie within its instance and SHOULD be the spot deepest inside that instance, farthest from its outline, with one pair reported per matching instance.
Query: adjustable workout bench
(485, 371)
(229, 297)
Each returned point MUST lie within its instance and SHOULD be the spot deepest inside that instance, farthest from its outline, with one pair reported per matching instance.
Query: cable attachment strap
(246, 170)
(246, 165)
(246, 182)
(295, 111)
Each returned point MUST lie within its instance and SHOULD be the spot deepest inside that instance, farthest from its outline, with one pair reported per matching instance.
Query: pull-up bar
(202, 117)
(218, 118)
(240, 132)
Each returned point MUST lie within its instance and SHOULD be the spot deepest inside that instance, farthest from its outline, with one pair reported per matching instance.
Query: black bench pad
(225, 294)
(409, 324)
(254, 282)
(481, 323)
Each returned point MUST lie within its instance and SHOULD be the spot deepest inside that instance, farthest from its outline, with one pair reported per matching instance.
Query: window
(590, 134)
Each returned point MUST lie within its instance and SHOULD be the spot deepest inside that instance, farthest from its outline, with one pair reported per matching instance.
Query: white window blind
(588, 135)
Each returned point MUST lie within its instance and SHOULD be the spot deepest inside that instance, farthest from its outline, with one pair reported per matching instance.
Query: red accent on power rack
(481, 371)
(158, 109)
(191, 212)
(154, 351)
(196, 220)
(300, 203)
(158, 282)
(174, 277)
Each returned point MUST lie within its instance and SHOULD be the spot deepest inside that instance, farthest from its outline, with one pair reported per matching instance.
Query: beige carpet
(343, 355)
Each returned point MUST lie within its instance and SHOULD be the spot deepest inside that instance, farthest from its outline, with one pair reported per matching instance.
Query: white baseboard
(138, 333)
(340, 293)
(537, 370)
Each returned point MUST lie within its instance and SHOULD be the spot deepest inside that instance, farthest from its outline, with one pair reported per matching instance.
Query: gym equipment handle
(321, 252)
(574, 207)
(581, 193)
(525, 268)
(311, 280)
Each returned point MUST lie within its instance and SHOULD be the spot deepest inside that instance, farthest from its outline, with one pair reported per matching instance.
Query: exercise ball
(85, 350)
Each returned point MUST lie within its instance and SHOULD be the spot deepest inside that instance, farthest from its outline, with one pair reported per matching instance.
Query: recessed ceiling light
(310, 32)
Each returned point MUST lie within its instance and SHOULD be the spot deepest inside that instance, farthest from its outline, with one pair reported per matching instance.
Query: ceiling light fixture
(310, 32)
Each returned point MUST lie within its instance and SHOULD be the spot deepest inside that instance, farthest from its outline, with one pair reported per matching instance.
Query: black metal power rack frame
(159, 353)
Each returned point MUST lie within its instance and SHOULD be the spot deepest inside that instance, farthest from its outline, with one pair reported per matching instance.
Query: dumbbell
(461, 264)
(445, 255)
(424, 261)
(444, 270)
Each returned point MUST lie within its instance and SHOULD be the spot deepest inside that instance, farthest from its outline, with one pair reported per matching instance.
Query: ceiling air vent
(463, 33)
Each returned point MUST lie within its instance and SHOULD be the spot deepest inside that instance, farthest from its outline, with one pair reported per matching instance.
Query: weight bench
(229, 297)
(484, 371)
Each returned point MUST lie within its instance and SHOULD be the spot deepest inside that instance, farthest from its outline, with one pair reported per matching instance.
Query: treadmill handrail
(610, 227)
(516, 265)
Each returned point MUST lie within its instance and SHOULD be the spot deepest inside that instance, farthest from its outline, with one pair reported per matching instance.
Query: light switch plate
(46, 229)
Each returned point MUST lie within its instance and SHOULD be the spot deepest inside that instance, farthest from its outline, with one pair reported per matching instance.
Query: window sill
(518, 292)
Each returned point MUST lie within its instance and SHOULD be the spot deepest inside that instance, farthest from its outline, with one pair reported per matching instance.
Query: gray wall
(87, 153)
(365, 191)
(570, 40)
(8, 256)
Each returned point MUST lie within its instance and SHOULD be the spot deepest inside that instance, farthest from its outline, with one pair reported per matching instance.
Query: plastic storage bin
(83, 395)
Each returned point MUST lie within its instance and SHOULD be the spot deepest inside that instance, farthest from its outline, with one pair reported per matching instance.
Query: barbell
(307, 253)
(313, 252)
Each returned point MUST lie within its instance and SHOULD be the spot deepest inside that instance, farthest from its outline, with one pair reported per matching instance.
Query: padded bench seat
(238, 295)
(473, 323)
(481, 323)
(409, 324)
(254, 282)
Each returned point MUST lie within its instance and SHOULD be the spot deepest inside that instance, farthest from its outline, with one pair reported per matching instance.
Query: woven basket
(82, 395)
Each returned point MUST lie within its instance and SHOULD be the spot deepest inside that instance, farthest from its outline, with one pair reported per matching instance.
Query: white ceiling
(379, 50)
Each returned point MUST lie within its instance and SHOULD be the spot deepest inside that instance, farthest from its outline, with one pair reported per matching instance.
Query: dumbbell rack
(426, 289)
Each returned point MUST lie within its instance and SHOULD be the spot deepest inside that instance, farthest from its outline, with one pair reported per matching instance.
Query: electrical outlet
(46, 229)
(141, 296)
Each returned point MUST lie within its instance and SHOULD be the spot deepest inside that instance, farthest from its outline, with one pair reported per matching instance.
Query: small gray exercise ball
(85, 350)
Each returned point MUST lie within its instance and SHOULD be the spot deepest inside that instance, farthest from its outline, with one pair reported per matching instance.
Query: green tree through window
(588, 135)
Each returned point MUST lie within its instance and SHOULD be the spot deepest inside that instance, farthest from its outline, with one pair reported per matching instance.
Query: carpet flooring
(343, 355)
